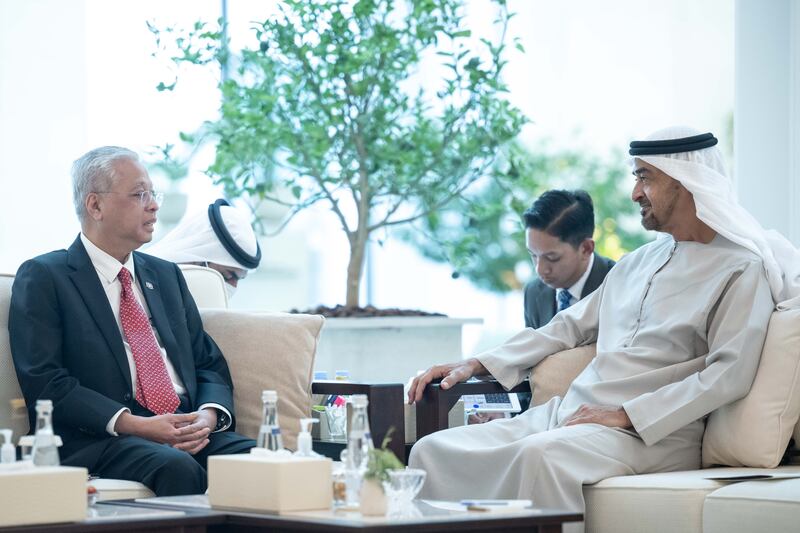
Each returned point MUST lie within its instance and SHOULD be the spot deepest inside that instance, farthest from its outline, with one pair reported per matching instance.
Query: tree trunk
(355, 268)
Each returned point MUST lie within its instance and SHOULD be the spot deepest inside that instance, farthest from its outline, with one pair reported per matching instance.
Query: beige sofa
(263, 350)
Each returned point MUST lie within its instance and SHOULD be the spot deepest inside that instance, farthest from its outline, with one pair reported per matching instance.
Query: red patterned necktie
(154, 389)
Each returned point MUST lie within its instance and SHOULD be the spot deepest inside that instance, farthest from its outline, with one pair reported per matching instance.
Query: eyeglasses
(144, 197)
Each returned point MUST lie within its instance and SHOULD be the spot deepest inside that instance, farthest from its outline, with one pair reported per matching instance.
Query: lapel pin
(148, 285)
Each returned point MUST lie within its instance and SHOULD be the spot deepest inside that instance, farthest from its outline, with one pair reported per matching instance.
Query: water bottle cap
(44, 403)
(269, 396)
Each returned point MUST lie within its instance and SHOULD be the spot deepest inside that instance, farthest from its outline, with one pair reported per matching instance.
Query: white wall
(598, 74)
(43, 124)
(767, 112)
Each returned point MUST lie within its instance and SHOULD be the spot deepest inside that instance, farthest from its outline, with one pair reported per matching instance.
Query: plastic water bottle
(359, 443)
(269, 434)
(45, 450)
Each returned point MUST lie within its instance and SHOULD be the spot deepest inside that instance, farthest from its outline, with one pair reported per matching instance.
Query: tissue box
(267, 483)
(42, 494)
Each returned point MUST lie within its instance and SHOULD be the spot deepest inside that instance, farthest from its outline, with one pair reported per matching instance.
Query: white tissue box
(42, 494)
(267, 483)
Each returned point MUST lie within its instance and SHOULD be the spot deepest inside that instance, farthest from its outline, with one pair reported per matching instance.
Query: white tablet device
(496, 402)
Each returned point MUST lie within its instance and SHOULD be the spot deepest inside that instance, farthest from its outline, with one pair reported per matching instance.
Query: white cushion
(206, 285)
(267, 351)
(655, 503)
(755, 430)
(120, 489)
(772, 506)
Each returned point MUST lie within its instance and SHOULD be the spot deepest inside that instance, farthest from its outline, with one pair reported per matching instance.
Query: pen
(476, 508)
(496, 503)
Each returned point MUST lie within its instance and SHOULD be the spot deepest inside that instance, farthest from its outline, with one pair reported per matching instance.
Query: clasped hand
(188, 432)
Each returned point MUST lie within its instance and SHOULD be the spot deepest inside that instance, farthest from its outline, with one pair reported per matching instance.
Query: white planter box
(388, 349)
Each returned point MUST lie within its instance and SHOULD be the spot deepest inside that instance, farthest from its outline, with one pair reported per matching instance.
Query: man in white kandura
(679, 326)
(220, 237)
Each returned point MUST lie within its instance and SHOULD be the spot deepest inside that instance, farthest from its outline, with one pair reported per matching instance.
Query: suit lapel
(148, 281)
(88, 284)
(596, 276)
(547, 304)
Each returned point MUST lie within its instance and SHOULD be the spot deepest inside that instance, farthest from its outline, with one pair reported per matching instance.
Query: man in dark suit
(114, 339)
(558, 230)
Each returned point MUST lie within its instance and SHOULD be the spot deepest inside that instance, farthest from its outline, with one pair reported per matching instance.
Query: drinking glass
(403, 486)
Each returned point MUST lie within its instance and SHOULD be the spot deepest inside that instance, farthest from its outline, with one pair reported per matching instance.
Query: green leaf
(161, 87)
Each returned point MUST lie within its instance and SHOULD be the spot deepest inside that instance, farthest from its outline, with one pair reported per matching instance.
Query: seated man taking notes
(114, 339)
(558, 234)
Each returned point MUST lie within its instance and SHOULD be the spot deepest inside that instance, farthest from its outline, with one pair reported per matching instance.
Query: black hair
(568, 215)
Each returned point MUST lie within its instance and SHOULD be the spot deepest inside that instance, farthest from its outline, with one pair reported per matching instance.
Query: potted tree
(172, 172)
(386, 111)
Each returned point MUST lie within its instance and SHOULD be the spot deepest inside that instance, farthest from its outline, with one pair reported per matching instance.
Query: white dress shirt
(108, 268)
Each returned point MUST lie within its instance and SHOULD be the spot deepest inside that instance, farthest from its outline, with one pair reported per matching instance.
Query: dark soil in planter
(341, 311)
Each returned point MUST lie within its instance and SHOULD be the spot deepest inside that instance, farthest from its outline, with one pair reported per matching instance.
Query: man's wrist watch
(222, 420)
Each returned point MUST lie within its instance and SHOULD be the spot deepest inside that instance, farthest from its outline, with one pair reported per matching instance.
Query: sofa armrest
(551, 377)
(436, 402)
(385, 409)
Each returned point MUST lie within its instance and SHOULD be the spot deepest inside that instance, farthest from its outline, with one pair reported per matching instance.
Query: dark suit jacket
(540, 300)
(67, 346)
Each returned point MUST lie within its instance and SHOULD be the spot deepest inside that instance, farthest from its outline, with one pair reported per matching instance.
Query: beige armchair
(206, 285)
(263, 350)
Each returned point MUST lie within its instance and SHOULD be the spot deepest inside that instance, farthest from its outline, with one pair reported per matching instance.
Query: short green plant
(382, 460)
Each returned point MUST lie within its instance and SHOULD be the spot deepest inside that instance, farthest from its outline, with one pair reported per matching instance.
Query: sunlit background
(595, 74)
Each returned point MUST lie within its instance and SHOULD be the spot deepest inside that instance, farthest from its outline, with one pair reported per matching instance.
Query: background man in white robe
(679, 326)
(219, 237)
